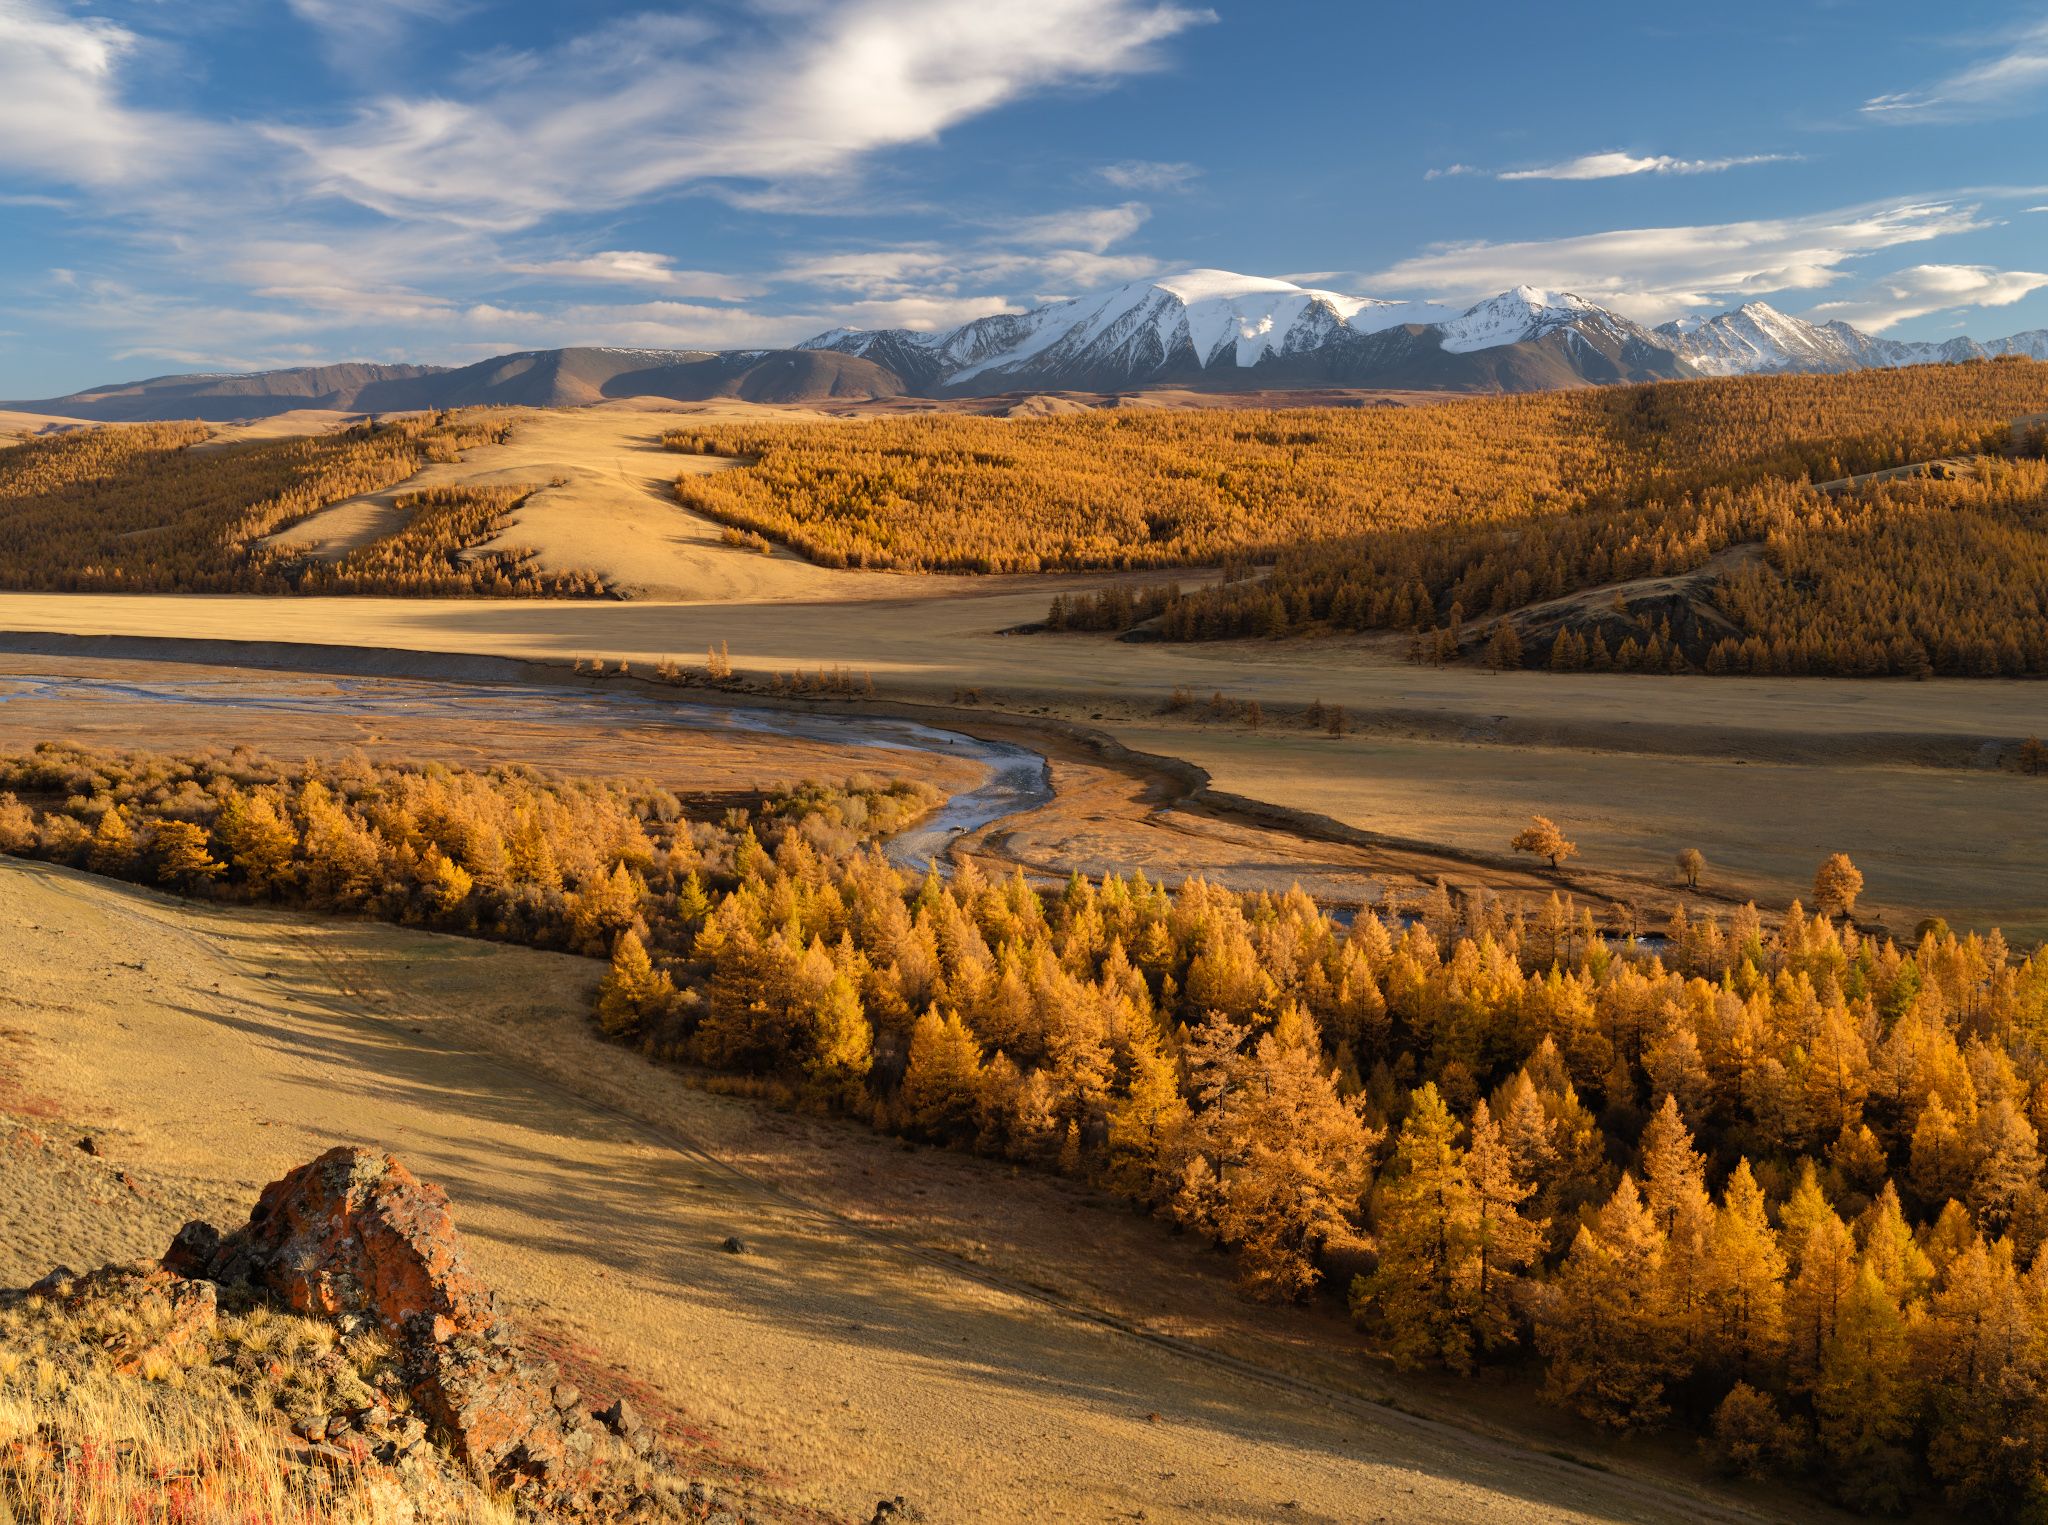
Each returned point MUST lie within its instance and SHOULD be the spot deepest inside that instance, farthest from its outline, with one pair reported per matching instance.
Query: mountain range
(1207, 330)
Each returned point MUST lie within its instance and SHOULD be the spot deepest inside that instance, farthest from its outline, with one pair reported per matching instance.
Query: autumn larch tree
(1542, 838)
(1692, 863)
(183, 858)
(1836, 885)
(1284, 1159)
(632, 990)
(1425, 1289)
(1506, 1240)
(1864, 1399)
(1598, 1325)
(113, 843)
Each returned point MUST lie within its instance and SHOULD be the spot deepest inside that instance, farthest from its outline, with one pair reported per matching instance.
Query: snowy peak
(1204, 324)
(1220, 330)
(1756, 338)
(1517, 316)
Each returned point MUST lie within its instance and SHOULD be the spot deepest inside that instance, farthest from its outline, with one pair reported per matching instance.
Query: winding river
(1018, 778)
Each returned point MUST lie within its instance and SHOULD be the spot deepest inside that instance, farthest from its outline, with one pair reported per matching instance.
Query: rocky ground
(367, 1357)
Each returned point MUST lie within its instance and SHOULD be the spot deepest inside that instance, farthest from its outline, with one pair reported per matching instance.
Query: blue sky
(234, 184)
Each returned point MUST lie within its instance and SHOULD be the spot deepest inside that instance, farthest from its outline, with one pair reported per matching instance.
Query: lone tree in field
(1505, 649)
(1692, 863)
(1542, 838)
(1836, 886)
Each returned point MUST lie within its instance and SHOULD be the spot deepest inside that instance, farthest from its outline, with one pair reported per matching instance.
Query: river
(1018, 778)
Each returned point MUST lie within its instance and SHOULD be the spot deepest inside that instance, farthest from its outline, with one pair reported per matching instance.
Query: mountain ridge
(1209, 330)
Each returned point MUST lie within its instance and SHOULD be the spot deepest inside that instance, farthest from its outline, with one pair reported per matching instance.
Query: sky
(246, 184)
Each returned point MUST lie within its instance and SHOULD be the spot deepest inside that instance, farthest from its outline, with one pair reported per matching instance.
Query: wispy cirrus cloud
(636, 267)
(1616, 165)
(428, 214)
(2010, 77)
(1658, 273)
(698, 105)
(359, 31)
(1060, 251)
(1919, 290)
(1090, 228)
(63, 116)
(1148, 175)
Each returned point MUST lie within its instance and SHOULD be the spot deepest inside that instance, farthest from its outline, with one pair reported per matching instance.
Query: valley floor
(1766, 776)
(994, 1346)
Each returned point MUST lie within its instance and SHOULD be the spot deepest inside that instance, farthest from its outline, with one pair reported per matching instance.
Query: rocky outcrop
(355, 1238)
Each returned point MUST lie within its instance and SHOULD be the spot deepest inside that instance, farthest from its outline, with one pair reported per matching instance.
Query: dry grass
(105, 1421)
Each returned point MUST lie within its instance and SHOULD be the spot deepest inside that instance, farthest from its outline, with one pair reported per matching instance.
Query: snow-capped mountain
(1757, 338)
(1198, 321)
(1205, 329)
(1215, 329)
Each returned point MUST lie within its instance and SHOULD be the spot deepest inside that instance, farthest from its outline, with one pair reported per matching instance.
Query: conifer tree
(113, 843)
(841, 1045)
(183, 854)
(1745, 1279)
(259, 842)
(1891, 1252)
(941, 1080)
(1507, 1241)
(1863, 1399)
(1288, 1158)
(2005, 1188)
(1675, 1194)
(1979, 1356)
(1598, 1325)
(1149, 1125)
(633, 990)
(1425, 1289)
(1823, 1258)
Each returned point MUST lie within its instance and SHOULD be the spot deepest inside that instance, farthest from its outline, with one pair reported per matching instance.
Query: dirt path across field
(890, 1342)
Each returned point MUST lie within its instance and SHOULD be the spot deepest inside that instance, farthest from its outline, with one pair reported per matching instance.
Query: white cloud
(633, 267)
(358, 27)
(927, 283)
(1091, 228)
(61, 113)
(943, 275)
(1922, 289)
(1148, 175)
(2001, 83)
(917, 312)
(1450, 171)
(1615, 165)
(1657, 273)
(652, 105)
